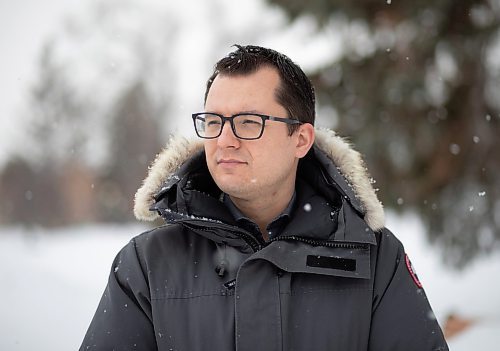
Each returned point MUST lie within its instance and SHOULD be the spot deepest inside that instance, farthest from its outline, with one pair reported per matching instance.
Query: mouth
(230, 162)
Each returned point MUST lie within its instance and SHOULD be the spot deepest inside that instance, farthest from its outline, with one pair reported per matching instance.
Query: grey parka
(335, 279)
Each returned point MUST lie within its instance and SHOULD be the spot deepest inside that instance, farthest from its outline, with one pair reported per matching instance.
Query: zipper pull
(221, 268)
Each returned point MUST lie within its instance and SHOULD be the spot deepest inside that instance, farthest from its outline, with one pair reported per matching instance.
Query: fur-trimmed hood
(347, 170)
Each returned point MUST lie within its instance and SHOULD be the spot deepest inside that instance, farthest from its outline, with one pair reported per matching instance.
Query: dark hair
(295, 93)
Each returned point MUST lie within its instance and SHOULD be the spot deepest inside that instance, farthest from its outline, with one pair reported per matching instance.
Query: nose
(227, 137)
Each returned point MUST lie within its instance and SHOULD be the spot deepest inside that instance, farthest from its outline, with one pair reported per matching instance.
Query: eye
(249, 120)
(212, 121)
(252, 121)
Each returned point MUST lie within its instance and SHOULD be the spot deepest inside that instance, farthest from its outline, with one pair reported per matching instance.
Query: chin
(237, 189)
(230, 188)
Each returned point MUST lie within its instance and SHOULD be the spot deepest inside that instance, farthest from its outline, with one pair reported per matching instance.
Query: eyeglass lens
(245, 126)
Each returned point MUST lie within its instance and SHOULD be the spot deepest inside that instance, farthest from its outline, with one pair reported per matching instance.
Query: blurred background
(91, 90)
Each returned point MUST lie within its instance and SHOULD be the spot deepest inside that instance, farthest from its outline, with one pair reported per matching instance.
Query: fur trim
(178, 150)
(351, 165)
(348, 161)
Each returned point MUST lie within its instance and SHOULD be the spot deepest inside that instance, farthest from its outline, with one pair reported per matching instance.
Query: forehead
(235, 93)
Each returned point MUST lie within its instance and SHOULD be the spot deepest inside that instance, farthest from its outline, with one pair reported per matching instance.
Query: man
(275, 238)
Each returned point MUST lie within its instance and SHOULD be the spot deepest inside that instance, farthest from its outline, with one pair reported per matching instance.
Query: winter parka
(334, 279)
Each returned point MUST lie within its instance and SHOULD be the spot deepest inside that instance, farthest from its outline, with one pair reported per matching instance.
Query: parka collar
(343, 166)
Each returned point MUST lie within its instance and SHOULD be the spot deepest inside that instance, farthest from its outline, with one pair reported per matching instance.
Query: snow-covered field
(51, 282)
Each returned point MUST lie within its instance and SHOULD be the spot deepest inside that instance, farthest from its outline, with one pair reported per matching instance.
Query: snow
(483, 336)
(471, 293)
(52, 280)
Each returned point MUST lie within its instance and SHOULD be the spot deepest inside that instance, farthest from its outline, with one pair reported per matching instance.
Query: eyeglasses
(248, 126)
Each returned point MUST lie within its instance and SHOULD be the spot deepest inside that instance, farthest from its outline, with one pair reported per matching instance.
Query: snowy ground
(50, 284)
(471, 293)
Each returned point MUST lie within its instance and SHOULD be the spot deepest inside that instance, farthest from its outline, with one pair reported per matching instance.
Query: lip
(230, 162)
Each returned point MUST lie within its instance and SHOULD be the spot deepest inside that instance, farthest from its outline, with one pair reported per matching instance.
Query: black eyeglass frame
(231, 119)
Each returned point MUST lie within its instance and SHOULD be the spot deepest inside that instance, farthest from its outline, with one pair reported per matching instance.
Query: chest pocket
(337, 260)
(324, 312)
(325, 296)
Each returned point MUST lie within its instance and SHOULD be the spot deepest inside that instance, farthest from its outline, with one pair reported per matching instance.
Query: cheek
(209, 152)
(209, 147)
(271, 157)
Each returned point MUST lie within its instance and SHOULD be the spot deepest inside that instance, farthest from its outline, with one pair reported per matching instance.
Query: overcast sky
(26, 25)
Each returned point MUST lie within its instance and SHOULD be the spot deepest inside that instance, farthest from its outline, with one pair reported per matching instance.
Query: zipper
(258, 245)
(318, 242)
(253, 242)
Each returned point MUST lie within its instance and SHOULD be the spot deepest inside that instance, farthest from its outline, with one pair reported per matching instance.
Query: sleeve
(402, 318)
(123, 320)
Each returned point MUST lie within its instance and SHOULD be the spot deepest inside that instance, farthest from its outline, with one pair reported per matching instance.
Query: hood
(345, 167)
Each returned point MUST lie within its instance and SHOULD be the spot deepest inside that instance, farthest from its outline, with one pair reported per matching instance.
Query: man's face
(246, 169)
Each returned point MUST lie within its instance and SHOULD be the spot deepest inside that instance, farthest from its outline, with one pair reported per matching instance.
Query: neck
(264, 208)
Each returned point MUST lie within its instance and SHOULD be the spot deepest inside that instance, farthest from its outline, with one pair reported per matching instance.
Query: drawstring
(221, 268)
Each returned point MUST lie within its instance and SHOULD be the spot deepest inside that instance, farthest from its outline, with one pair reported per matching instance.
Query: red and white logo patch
(412, 272)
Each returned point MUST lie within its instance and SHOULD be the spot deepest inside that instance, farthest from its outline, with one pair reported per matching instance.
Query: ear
(305, 139)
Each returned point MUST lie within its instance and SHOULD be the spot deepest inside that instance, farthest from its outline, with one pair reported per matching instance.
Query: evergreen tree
(417, 90)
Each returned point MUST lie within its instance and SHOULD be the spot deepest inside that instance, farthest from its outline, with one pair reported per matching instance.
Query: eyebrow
(240, 112)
